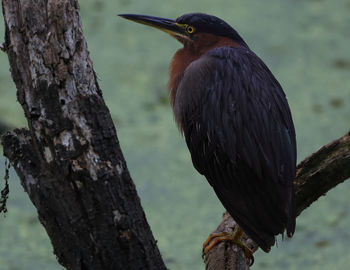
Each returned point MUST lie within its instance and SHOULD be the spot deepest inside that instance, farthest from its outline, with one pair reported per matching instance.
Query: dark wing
(239, 130)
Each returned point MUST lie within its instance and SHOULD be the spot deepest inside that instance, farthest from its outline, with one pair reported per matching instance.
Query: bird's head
(190, 28)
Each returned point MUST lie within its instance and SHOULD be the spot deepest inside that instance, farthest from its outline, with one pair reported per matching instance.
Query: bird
(236, 121)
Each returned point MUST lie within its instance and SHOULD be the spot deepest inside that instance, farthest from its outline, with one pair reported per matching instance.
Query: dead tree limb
(316, 175)
(69, 161)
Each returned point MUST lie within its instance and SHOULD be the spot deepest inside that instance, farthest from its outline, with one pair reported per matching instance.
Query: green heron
(236, 121)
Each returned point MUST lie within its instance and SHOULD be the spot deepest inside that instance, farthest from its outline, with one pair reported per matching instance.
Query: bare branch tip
(3, 47)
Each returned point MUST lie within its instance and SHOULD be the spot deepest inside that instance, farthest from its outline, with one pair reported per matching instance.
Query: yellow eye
(190, 29)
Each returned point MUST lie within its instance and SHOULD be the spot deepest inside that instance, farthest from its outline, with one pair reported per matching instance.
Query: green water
(307, 46)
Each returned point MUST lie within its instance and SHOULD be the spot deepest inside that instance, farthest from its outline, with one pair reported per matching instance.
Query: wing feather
(239, 130)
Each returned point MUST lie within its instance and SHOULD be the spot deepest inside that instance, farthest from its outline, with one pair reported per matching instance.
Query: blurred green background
(306, 44)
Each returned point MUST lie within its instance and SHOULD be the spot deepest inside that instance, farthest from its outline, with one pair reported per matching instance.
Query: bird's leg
(235, 237)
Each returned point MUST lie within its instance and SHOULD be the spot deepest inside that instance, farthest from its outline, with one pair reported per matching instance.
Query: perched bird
(236, 121)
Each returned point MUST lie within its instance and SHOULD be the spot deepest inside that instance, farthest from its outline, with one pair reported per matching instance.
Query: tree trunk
(69, 161)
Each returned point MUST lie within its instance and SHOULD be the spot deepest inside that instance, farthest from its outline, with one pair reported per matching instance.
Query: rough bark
(69, 161)
(316, 175)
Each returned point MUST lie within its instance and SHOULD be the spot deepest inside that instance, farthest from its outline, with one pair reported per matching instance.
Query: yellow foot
(236, 237)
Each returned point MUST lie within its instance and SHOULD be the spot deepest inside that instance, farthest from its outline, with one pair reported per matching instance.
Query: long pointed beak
(167, 25)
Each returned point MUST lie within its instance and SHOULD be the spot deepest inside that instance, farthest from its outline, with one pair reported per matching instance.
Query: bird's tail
(291, 215)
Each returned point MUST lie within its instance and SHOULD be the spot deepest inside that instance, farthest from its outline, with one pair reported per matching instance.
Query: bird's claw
(249, 255)
(216, 238)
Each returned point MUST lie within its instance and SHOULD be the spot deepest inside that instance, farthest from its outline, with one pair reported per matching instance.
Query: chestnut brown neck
(191, 51)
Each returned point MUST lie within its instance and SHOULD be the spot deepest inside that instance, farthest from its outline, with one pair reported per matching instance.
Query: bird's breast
(192, 51)
(179, 63)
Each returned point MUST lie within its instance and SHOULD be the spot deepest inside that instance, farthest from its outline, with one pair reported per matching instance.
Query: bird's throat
(193, 50)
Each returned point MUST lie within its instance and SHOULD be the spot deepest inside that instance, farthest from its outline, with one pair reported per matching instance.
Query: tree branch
(316, 175)
(69, 161)
(322, 171)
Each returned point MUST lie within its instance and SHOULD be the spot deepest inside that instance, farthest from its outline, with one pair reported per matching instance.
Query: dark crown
(205, 23)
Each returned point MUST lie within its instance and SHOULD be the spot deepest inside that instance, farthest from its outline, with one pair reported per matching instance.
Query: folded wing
(239, 130)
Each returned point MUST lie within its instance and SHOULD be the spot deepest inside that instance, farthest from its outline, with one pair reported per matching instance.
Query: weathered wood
(69, 161)
(316, 175)
(322, 171)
